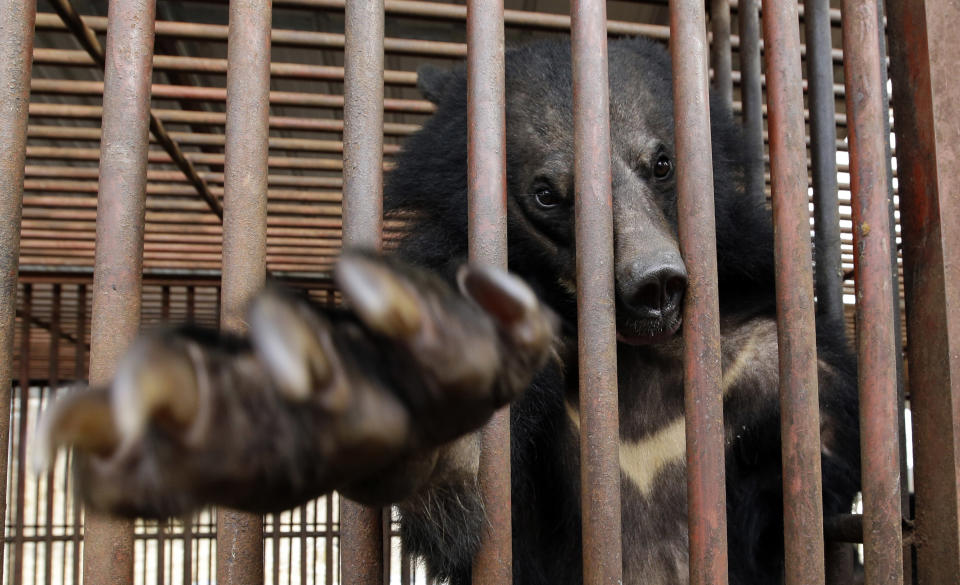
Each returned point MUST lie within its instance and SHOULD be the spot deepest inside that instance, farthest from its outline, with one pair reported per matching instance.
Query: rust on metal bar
(597, 351)
(108, 543)
(823, 139)
(876, 342)
(924, 50)
(53, 381)
(240, 534)
(361, 533)
(88, 40)
(796, 330)
(79, 374)
(720, 52)
(751, 93)
(487, 230)
(706, 472)
(16, 45)
(22, 419)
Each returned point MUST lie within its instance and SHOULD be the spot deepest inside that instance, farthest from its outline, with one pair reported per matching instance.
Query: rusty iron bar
(88, 40)
(924, 50)
(108, 543)
(441, 49)
(240, 534)
(211, 65)
(53, 381)
(190, 92)
(839, 561)
(876, 342)
(212, 118)
(706, 473)
(796, 330)
(22, 411)
(361, 529)
(897, 298)
(79, 374)
(823, 139)
(16, 45)
(597, 351)
(487, 231)
(195, 138)
(720, 51)
(751, 91)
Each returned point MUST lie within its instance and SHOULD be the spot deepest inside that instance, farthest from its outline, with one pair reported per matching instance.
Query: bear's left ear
(432, 81)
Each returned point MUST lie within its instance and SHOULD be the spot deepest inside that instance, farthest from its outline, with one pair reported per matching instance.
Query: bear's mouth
(648, 331)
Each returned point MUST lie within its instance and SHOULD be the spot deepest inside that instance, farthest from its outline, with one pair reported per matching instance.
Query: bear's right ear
(432, 81)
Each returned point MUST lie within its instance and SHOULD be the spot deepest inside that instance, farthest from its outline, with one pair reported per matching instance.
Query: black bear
(381, 401)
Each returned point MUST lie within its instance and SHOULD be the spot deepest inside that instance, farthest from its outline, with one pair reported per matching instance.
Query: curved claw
(156, 380)
(288, 343)
(510, 302)
(80, 419)
(383, 301)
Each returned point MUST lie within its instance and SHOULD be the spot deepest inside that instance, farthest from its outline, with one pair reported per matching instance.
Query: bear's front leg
(365, 401)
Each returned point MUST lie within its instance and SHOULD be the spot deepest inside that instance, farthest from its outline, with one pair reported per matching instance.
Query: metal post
(361, 533)
(751, 93)
(23, 398)
(108, 543)
(79, 374)
(720, 52)
(53, 380)
(823, 147)
(16, 60)
(240, 534)
(796, 330)
(706, 473)
(924, 51)
(487, 228)
(597, 351)
(880, 446)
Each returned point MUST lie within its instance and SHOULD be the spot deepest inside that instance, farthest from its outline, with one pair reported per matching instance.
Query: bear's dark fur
(430, 185)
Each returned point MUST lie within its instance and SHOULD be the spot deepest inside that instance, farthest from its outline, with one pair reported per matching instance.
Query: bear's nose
(657, 291)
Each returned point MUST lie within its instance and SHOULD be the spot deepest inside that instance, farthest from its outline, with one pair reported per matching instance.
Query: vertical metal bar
(895, 284)
(108, 542)
(823, 145)
(328, 542)
(22, 410)
(839, 562)
(720, 52)
(188, 520)
(363, 125)
(53, 380)
(165, 303)
(275, 547)
(880, 446)
(597, 352)
(796, 331)
(924, 51)
(240, 534)
(751, 93)
(16, 60)
(487, 232)
(303, 545)
(79, 373)
(361, 529)
(706, 483)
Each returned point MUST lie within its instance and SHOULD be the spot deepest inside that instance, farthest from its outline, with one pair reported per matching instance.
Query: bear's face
(649, 271)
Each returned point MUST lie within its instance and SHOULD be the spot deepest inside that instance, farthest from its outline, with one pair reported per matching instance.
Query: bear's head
(651, 277)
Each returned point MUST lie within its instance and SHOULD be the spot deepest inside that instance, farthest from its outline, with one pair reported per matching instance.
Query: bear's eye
(662, 167)
(547, 198)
